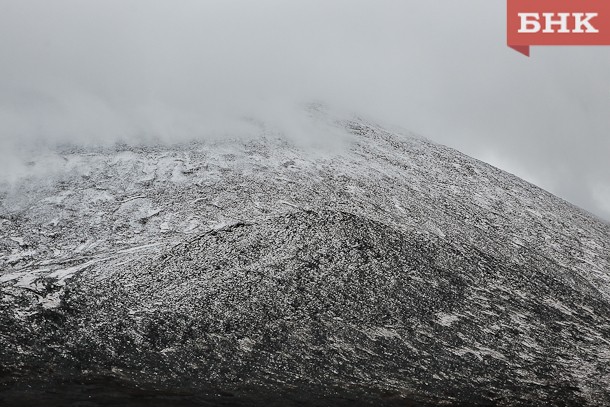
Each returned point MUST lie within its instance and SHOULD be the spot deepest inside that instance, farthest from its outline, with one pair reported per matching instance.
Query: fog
(132, 70)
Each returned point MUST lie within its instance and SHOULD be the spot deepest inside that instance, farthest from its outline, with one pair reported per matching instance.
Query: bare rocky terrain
(388, 271)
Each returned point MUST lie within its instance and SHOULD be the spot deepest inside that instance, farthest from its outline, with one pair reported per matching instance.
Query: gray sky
(87, 71)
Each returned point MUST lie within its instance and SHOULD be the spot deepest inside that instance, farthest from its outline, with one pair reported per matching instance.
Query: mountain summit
(388, 271)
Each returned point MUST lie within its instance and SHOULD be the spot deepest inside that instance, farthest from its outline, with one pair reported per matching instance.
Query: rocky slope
(389, 271)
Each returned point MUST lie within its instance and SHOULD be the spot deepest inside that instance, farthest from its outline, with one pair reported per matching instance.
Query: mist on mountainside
(140, 71)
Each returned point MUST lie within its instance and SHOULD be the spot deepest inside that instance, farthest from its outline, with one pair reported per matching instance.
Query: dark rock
(405, 290)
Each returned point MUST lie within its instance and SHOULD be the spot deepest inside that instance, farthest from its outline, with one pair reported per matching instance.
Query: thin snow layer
(395, 266)
(325, 291)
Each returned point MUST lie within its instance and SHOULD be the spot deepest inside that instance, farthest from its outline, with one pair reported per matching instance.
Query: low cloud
(100, 72)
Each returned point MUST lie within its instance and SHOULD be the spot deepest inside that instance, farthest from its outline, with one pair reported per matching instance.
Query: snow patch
(446, 319)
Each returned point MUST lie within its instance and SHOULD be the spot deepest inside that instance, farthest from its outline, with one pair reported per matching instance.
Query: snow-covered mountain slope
(257, 271)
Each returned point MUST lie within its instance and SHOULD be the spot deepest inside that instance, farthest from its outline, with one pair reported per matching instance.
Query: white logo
(579, 23)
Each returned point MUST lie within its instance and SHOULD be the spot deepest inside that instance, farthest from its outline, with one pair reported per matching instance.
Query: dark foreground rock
(390, 295)
(328, 307)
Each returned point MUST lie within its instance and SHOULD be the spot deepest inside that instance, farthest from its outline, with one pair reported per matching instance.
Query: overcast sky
(107, 70)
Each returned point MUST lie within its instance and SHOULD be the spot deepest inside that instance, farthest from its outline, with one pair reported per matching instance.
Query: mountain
(388, 270)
